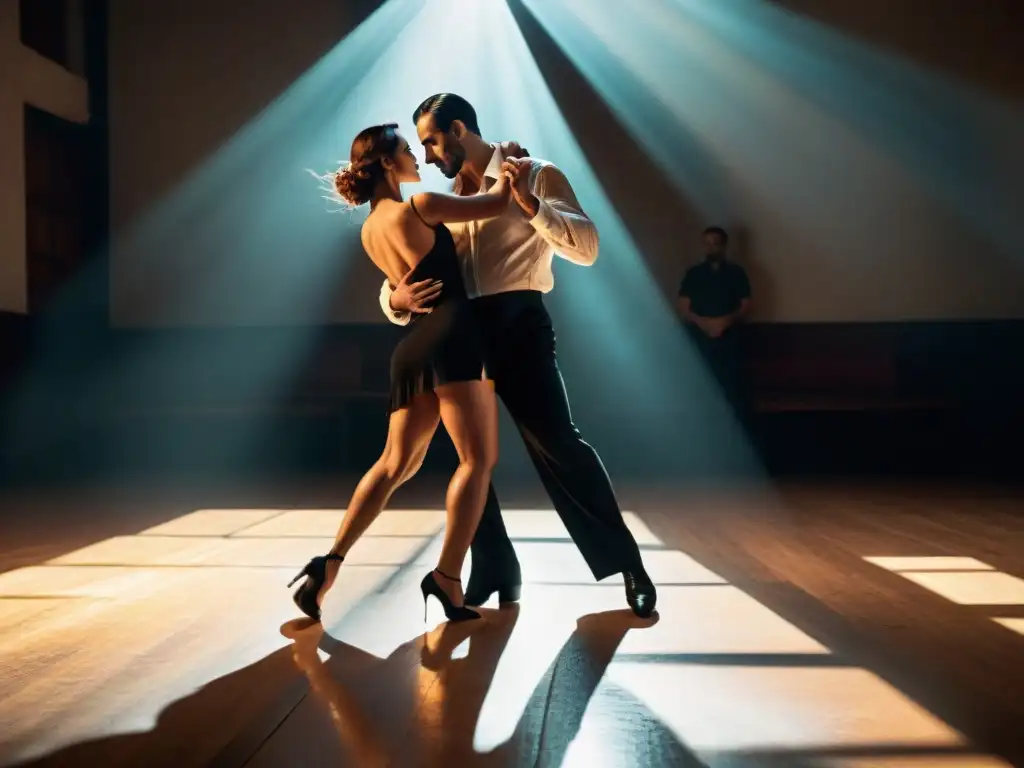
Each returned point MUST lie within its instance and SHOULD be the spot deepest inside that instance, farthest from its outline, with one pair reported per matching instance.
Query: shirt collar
(493, 169)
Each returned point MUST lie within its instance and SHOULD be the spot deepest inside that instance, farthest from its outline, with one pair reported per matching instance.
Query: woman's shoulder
(392, 219)
(385, 215)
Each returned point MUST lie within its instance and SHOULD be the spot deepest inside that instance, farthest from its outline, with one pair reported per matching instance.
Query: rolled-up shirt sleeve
(560, 220)
(398, 318)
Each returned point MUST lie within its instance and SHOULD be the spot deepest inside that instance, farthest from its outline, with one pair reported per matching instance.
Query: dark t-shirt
(715, 291)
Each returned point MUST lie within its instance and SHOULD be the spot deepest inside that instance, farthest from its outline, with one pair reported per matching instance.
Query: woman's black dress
(442, 346)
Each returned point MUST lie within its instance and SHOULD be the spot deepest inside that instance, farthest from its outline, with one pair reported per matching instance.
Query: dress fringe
(407, 386)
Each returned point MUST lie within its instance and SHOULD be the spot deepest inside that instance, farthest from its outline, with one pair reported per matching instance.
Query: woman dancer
(436, 369)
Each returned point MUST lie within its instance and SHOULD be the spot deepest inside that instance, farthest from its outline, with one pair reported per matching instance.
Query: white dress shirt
(512, 252)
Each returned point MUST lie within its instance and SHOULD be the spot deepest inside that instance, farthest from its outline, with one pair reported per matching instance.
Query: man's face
(713, 244)
(441, 149)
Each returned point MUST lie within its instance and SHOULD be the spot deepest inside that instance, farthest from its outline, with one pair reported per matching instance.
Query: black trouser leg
(723, 357)
(525, 371)
(491, 550)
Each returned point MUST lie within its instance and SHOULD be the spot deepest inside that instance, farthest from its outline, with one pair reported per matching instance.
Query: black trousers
(724, 358)
(520, 358)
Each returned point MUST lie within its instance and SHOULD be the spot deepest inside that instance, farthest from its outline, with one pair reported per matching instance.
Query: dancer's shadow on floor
(417, 708)
(421, 705)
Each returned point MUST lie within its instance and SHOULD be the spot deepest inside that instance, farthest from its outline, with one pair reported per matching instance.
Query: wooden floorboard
(136, 630)
(957, 663)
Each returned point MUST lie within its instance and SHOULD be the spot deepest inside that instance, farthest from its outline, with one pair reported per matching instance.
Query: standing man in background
(714, 297)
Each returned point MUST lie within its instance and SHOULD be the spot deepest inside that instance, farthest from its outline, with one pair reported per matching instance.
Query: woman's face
(407, 170)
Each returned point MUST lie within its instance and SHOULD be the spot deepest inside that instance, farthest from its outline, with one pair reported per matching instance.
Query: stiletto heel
(452, 612)
(303, 572)
(315, 571)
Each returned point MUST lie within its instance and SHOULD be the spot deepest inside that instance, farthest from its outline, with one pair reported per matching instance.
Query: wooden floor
(837, 626)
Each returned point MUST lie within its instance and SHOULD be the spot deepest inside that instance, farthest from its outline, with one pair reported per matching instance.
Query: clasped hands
(519, 166)
(714, 327)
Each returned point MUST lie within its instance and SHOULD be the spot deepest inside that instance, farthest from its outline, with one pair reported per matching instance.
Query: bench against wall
(791, 367)
(883, 366)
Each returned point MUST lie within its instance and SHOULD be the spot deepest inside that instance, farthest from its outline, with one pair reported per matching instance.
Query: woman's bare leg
(469, 411)
(409, 433)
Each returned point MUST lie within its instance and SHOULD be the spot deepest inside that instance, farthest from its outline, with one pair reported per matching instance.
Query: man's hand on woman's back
(414, 297)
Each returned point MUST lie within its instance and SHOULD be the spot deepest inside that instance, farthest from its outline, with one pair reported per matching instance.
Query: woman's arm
(435, 208)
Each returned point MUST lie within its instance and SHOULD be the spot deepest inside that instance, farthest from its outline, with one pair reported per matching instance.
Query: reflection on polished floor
(178, 646)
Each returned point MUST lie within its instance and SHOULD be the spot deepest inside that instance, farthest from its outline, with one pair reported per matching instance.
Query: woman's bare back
(395, 239)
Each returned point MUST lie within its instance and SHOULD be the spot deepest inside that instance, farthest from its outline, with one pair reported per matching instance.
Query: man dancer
(507, 268)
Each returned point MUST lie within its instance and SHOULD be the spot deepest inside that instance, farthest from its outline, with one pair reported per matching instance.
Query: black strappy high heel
(315, 572)
(452, 612)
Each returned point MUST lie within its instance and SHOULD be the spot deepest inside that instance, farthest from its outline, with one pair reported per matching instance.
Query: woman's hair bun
(355, 182)
(353, 185)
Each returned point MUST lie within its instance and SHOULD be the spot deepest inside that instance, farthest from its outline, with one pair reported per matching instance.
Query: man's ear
(458, 129)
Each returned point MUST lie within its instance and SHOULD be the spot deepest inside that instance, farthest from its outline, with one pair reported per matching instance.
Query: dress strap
(413, 206)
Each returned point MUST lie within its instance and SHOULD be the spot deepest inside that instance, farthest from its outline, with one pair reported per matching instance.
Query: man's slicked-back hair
(446, 109)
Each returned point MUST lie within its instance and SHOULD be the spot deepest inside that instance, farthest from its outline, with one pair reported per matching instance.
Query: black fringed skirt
(440, 347)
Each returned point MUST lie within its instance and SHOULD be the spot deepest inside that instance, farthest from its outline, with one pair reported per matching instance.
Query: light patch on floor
(107, 639)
